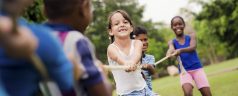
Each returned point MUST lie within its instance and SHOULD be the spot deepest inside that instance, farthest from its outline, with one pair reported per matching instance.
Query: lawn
(223, 82)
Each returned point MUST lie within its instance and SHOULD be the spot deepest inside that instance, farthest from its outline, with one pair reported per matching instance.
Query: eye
(116, 23)
(180, 23)
(145, 39)
(125, 22)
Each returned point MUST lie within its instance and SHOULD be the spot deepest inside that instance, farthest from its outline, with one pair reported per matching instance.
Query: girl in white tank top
(125, 52)
(127, 82)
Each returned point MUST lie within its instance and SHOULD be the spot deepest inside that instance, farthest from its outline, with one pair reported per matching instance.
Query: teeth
(123, 30)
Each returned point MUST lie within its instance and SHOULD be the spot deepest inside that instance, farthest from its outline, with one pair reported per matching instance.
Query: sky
(164, 10)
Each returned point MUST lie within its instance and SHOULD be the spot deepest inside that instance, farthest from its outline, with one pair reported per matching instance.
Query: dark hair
(177, 17)
(60, 8)
(140, 30)
(125, 15)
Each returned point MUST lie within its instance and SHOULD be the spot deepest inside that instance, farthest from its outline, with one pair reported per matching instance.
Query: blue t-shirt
(2, 90)
(148, 59)
(189, 60)
(20, 77)
(83, 49)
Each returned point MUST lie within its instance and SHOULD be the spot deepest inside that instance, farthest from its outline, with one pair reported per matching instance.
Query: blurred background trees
(215, 26)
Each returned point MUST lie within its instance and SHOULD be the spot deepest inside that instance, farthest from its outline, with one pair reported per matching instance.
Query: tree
(34, 12)
(220, 18)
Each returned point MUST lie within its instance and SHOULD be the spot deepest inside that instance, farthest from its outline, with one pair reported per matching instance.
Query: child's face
(120, 27)
(144, 39)
(178, 26)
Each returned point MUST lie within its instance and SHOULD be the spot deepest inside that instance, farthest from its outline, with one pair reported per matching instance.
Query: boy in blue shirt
(69, 18)
(18, 75)
(147, 60)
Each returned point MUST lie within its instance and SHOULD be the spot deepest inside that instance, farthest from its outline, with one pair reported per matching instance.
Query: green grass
(222, 83)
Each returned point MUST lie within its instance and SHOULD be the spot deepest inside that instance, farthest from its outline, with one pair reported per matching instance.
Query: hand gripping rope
(123, 67)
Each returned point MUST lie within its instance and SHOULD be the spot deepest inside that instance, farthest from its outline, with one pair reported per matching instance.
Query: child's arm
(138, 52)
(149, 67)
(17, 44)
(192, 46)
(171, 48)
(150, 59)
(114, 55)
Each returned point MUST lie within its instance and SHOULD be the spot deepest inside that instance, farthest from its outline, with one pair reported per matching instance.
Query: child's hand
(170, 53)
(131, 68)
(5, 25)
(146, 66)
(17, 44)
(176, 52)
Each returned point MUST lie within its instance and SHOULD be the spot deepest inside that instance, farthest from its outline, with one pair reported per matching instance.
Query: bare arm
(138, 52)
(150, 68)
(171, 48)
(114, 55)
(20, 44)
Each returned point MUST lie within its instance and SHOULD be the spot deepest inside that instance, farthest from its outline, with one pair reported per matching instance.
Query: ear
(84, 8)
(131, 29)
(110, 32)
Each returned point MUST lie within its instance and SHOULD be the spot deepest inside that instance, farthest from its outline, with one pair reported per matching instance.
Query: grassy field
(223, 79)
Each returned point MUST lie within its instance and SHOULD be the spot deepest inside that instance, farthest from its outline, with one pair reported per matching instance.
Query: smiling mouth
(178, 30)
(122, 30)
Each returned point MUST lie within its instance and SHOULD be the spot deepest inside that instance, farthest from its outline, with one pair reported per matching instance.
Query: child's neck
(123, 43)
(179, 38)
(68, 22)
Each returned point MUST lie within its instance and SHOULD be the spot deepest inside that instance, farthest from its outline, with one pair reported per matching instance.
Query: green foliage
(218, 22)
(34, 12)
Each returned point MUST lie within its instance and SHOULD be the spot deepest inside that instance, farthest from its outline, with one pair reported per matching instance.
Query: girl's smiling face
(120, 27)
(178, 26)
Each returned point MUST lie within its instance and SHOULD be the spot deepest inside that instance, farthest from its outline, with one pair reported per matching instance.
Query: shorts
(144, 92)
(198, 76)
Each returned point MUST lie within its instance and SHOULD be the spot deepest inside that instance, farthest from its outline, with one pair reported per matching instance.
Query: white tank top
(127, 82)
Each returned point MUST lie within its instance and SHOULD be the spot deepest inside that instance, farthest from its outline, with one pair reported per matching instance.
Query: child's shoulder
(137, 43)
(76, 34)
(111, 48)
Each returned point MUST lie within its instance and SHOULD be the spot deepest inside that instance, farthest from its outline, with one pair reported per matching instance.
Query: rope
(123, 67)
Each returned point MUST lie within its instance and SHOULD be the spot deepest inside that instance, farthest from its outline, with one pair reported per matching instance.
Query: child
(70, 18)
(125, 51)
(19, 76)
(184, 46)
(147, 60)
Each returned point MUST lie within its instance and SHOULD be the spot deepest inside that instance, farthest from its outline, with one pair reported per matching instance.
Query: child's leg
(187, 84)
(202, 82)
(205, 91)
(187, 89)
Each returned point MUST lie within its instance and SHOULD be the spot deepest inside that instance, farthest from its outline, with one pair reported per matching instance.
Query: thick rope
(123, 67)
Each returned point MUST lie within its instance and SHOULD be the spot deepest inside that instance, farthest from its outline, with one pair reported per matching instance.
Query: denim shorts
(144, 92)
